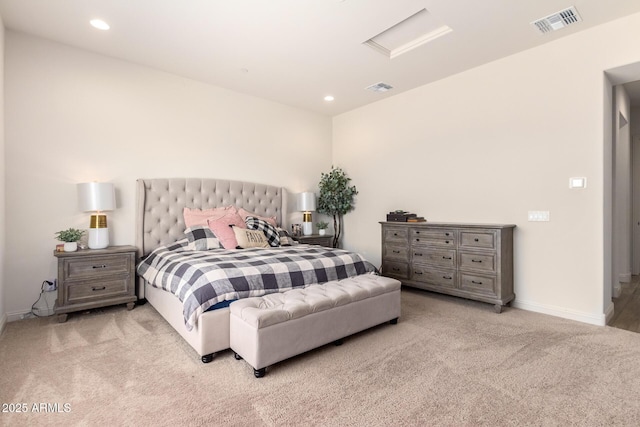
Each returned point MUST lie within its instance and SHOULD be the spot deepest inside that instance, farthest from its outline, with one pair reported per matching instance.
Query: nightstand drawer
(99, 290)
(94, 267)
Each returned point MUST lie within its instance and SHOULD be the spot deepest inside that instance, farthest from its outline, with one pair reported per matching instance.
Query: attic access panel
(408, 34)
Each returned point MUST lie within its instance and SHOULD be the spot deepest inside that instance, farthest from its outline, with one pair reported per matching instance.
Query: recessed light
(329, 98)
(99, 24)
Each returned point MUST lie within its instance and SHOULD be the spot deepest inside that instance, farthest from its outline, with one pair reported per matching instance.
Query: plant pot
(322, 232)
(70, 246)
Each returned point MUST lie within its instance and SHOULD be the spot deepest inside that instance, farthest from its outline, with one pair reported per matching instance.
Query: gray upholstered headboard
(159, 217)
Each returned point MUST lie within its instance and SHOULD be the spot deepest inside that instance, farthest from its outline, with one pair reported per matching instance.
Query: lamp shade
(96, 196)
(306, 201)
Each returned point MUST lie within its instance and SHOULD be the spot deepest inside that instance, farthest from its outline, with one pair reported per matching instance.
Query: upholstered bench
(268, 329)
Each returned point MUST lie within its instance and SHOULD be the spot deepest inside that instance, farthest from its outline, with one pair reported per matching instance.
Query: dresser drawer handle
(100, 266)
(476, 260)
(396, 252)
(395, 234)
(446, 234)
(446, 241)
(99, 289)
(419, 273)
(476, 283)
(417, 254)
(395, 269)
(476, 240)
(447, 277)
(417, 240)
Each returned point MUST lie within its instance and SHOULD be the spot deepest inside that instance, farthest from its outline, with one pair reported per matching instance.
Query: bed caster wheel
(259, 373)
(237, 356)
(338, 342)
(207, 358)
(393, 321)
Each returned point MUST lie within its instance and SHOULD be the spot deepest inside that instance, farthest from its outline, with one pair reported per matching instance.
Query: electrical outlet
(538, 216)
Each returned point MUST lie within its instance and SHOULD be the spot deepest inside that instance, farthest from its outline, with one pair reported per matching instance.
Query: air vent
(379, 87)
(557, 20)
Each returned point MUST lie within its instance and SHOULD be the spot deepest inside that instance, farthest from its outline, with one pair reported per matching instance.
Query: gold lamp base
(98, 232)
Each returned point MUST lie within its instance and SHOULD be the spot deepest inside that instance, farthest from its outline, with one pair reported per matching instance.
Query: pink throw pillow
(194, 217)
(221, 227)
(245, 213)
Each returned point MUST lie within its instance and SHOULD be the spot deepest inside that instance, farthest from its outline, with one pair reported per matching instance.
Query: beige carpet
(447, 362)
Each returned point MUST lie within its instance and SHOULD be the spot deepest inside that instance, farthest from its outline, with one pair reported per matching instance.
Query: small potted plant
(322, 227)
(70, 238)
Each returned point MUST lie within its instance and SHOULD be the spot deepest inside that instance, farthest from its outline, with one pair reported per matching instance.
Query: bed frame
(159, 221)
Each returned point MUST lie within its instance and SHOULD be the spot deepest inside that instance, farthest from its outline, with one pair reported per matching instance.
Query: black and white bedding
(201, 279)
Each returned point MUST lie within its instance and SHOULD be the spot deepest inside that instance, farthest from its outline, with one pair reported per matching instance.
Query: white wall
(492, 143)
(3, 310)
(73, 116)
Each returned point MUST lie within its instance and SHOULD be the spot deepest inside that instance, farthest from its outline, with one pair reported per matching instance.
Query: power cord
(43, 304)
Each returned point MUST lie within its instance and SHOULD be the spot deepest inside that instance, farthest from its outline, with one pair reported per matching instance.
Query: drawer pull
(419, 272)
(446, 241)
(395, 234)
(100, 266)
(476, 240)
(417, 254)
(396, 252)
(395, 269)
(417, 240)
(446, 257)
(476, 283)
(99, 289)
(446, 234)
(476, 260)
(447, 277)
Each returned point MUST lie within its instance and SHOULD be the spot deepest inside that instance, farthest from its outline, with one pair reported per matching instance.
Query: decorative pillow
(245, 213)
(270, 231)
(285, 237)
(201, 238)
(221, 227)
(193, 216)
(250, 238)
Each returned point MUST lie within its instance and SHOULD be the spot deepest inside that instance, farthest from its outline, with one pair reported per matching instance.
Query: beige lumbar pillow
(250, 238)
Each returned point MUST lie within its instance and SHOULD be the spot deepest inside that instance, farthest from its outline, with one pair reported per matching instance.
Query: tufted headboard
(159, 217)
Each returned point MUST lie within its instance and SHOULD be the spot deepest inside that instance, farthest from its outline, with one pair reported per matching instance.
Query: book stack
(416, 219)
(403, 216)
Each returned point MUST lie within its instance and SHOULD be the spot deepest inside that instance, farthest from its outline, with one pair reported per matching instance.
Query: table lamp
(306, 204)
(97, 197)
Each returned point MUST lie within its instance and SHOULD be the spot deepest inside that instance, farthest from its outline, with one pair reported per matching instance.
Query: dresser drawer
(95, 267)
(478, 284)
(399, 253)
(444, 278)
(98, 290)
(438, 257)
(399, 270)
(477, 261)
(396, 234)
(445, 238)
(478, 239)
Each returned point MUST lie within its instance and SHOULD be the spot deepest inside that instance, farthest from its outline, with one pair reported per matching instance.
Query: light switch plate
(538, 216)
(578, 182)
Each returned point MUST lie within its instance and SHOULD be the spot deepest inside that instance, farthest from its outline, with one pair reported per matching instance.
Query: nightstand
(92, 278)
(316, 239)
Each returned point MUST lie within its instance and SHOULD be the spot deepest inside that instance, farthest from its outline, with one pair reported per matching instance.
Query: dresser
(473, 261)
(92, 278)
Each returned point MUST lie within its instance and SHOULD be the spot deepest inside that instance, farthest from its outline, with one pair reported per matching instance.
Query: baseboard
(17, 315)
(593, 319)
(617, 290)
(624, 277)
(3, 322)
(608, 313)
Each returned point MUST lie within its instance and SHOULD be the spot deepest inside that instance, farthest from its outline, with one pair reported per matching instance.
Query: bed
(160, 224)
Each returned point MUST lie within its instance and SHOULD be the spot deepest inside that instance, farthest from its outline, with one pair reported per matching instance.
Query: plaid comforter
(201, 279)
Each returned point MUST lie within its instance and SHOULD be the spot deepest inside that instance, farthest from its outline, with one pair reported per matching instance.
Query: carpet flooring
(448, 362)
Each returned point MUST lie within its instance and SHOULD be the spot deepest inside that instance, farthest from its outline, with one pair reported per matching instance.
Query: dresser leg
(130, 305)
(498, 308)
(62, 317)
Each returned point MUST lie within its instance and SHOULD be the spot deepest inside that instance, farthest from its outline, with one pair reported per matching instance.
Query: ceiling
(298, 51)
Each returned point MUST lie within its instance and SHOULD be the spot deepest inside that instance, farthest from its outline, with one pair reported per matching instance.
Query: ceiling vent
(379, 87)
(557, 20)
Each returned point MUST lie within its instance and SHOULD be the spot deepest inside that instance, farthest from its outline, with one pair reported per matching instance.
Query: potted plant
(336, 198)
(322, 227)
(70, 238)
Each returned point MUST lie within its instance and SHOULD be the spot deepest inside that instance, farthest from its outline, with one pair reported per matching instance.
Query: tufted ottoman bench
(268, 329)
